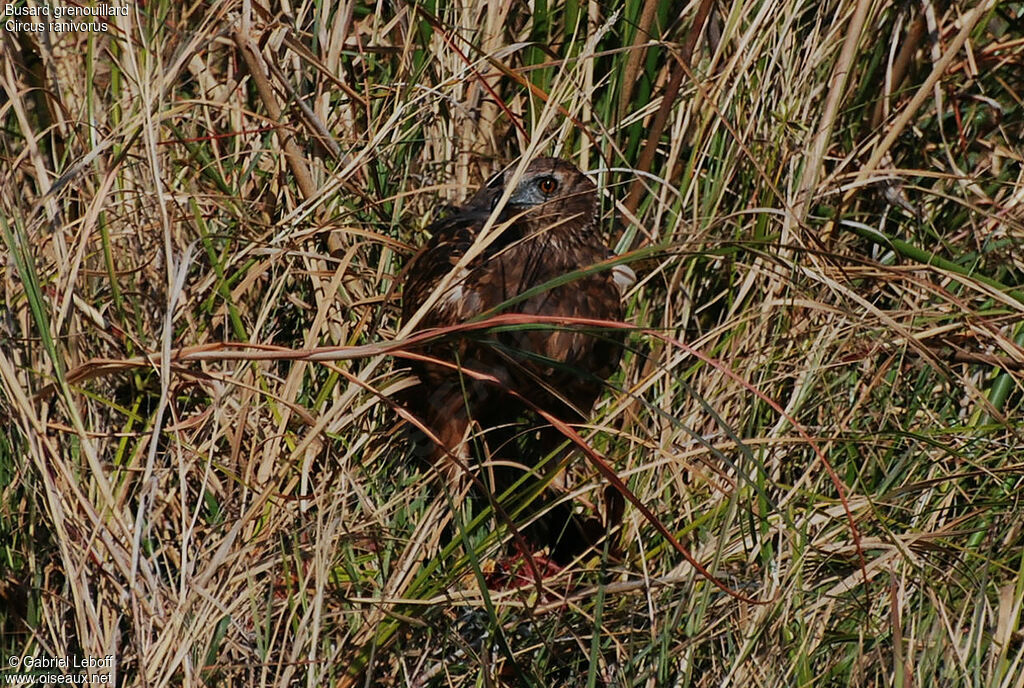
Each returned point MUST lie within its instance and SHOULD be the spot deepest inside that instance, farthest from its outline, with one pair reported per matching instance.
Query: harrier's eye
(547, 185)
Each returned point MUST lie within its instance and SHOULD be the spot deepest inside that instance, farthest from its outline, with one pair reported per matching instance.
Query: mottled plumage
(548, 229)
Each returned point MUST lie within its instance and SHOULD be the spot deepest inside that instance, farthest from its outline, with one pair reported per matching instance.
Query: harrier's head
(551, 195)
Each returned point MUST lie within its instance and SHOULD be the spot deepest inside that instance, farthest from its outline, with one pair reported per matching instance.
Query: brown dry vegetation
(821, 400)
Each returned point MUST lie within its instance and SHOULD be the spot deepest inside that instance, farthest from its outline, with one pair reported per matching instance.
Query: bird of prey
(544, 236)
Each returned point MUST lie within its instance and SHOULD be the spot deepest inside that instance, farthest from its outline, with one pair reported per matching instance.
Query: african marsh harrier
(547, 231)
